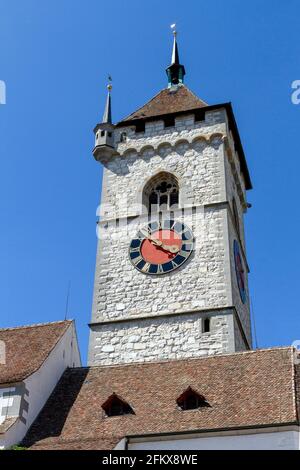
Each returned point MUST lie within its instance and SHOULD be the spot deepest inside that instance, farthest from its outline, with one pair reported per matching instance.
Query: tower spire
(107, 110)
(175, 54)
(104, 131)
(175, 71)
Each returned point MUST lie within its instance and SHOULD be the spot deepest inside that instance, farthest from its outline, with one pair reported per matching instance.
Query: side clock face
(161, 247)
(240, 272)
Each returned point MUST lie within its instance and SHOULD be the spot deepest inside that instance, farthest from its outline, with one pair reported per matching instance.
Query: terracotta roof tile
(168, 101)
(27, 348)
(244, 389)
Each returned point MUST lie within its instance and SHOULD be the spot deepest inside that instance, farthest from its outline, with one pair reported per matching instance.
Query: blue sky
(54, 58)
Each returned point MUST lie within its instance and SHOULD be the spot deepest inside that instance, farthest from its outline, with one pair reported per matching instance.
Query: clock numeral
(184, 254)
(188, 247)
(187, 235)
(159, 269)
(179, 228)
(135, 250)
(146, 268)
(143, 233)
(137, 260)
(134, 255)
(178, 260)
(168, 224)
(153, 226)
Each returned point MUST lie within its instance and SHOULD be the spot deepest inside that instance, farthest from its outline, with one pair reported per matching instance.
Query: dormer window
(116, 406)
(191, 400)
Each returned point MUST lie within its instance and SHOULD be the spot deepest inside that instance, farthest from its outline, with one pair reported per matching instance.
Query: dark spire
(175, 54)
(107, 111)
(175, 71)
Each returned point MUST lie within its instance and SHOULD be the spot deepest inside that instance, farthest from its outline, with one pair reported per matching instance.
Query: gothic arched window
(161, 193)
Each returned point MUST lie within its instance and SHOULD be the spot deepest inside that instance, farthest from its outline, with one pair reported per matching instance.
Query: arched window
(236, 216)
(161, 193)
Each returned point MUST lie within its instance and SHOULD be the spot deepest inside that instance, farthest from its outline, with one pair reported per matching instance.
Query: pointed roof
(175, 71)
(107, 110)
(168, 101)
(175, 54)
(27, 347)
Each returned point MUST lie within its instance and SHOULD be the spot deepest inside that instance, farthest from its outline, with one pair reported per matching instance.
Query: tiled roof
(180, 99)
(245, 389)
(27, 347)
(168, 100)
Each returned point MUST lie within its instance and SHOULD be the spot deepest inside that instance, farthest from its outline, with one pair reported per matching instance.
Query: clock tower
(171, 277)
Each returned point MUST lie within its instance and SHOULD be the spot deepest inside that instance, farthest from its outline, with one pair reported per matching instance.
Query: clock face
(240, 272)
(161, 247)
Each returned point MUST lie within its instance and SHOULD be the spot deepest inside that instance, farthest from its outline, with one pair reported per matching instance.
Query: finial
(173, 27)
(175, 55)
(109, 85)
(107, 111)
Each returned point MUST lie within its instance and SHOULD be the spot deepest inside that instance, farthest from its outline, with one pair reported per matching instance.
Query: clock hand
(155, 241)
(170, 248)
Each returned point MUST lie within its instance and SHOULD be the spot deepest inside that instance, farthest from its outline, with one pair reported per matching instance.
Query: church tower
(171, 277)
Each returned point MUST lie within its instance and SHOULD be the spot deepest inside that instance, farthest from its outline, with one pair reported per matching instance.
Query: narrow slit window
(206, 325)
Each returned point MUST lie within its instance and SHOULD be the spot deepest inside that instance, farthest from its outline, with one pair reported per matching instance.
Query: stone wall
(163, 338)
(194, 155)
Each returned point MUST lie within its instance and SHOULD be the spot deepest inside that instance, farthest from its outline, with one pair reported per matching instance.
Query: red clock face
(162, 247)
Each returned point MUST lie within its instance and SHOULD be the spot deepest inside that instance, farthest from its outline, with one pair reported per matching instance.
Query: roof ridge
(35, 325)
(171, 90)
(147, 102)
(197, 97)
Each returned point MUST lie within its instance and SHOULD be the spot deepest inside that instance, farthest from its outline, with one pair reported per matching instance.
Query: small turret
(104, 132)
